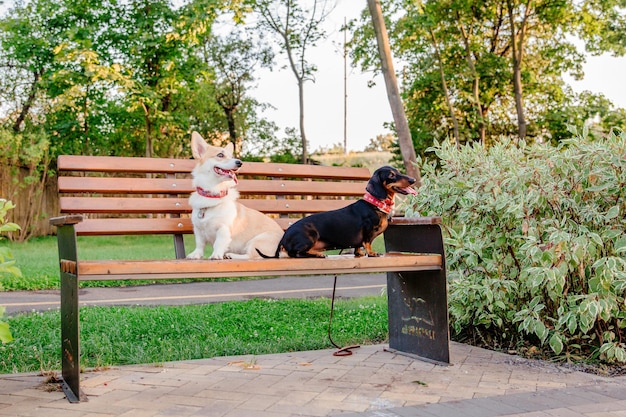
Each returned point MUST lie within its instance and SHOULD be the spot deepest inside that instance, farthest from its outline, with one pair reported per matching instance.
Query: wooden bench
(140, 196)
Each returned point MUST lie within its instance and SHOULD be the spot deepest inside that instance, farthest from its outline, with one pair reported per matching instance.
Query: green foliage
(458, 69)
(536, 242)
(159, 334)
(7, 262)
(114, 78)
(270, 148)
(26, 157)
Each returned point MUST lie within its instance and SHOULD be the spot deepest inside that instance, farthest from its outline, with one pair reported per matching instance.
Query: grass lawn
(38, 258)
(130, 335)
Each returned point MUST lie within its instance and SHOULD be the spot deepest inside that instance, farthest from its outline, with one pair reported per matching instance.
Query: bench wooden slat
(143, 226)
(95, 227)
(173, 166)
(157, 226)
(336, 264)
(181, 205)
(109, 185)
(146, 196)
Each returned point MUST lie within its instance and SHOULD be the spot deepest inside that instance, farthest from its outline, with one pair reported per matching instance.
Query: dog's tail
(276, 255)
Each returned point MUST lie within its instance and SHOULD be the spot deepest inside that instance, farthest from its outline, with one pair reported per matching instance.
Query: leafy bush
(7, 262)
(536, 243)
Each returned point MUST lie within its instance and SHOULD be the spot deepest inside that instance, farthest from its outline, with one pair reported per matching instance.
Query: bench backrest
(120, 195)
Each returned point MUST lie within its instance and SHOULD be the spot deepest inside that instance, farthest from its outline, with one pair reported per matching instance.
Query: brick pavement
(370, 383)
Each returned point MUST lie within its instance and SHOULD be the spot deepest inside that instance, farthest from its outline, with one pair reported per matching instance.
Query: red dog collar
(207, 194)
(385, 205)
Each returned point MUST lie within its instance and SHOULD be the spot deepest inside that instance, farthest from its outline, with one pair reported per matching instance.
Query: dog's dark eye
(220, 155)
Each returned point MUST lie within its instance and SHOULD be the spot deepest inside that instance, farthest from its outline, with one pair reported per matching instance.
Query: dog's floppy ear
(375, 184)
(229, 149)
(198, 145)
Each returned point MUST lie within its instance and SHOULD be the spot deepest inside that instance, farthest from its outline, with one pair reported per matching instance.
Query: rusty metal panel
(418, 300)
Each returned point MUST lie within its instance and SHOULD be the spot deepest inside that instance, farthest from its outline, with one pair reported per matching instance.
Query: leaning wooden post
(393, 92)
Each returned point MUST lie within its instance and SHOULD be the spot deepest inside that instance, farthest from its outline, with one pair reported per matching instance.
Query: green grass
(131, 335)
(38, 258)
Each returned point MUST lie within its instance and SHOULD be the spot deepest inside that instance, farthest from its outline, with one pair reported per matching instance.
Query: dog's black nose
(238, 163)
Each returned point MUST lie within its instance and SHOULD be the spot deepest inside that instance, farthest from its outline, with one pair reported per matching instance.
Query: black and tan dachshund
(354, 226)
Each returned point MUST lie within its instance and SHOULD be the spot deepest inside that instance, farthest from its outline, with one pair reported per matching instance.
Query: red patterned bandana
(385, 205)
(208, 194)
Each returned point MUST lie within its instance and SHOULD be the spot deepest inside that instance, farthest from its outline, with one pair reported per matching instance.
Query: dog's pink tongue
(410, 190)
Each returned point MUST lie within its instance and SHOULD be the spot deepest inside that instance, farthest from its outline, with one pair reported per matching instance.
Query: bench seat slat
(81, 163)
(180, 205)
(335, 264)
(112, 185)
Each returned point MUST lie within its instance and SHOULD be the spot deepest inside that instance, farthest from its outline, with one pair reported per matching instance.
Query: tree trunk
(305, 154)
(519, 104)
(517, 53)
(149, 142)
(232, 131)
(446, 93)
(393, 94)
(478, 108)
(29, 102)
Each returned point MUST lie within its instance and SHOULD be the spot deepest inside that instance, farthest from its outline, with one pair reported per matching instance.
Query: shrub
(7, 262)
(536, 243)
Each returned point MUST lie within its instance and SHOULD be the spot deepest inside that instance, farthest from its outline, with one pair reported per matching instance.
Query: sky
(368, 108)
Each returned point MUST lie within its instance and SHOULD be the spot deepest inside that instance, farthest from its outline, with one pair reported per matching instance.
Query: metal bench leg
(70, 332)
(418, 300)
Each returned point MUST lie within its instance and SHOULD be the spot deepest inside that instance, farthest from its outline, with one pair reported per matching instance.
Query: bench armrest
(66, 220)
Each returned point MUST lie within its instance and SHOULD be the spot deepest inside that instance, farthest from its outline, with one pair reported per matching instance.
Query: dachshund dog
(354, 226)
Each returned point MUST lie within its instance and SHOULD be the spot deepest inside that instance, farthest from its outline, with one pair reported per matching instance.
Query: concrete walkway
(372, 382)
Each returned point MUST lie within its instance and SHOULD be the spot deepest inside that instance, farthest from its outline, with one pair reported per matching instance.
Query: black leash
(342, 351)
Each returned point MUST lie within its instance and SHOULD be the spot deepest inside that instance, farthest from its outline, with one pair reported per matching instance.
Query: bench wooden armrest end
(66, 220)
(416, 220)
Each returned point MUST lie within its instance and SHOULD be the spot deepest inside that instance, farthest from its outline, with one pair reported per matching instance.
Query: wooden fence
(35, 203)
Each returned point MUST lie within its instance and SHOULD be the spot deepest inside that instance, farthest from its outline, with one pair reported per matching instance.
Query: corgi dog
(234, 230)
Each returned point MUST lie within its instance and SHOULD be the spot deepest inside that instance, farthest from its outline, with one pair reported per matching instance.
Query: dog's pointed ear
(198, 145)
(229, 149)
(375, 185)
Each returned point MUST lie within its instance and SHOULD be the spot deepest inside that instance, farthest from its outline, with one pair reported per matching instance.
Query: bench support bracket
(418, 300)
(70, 349)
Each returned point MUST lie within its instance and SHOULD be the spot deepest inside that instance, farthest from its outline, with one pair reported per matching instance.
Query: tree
(298, 29)
(152, 60)
(393, 93)
(381, 143)
(27, 41)
(234, 59)
(495, 65)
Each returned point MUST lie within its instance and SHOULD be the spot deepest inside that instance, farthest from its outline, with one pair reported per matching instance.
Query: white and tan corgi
(234, 230)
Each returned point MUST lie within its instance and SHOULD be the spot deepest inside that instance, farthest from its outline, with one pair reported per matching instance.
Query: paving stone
(370, 383)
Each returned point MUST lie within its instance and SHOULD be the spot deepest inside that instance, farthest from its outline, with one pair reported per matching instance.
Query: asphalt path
(348, 286)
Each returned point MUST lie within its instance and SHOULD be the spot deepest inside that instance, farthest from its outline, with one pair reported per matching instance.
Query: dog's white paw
(217, 256)
(195, 255)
